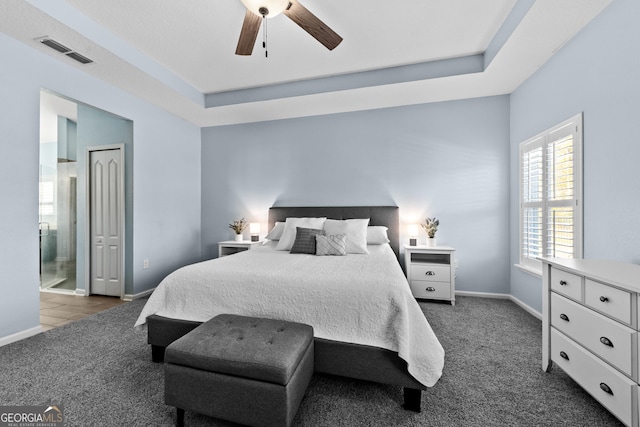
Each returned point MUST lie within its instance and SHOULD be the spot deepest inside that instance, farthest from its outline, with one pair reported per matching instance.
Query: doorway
(69, 132)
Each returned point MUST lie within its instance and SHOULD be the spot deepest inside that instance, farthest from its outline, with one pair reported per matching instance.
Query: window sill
(530, 270)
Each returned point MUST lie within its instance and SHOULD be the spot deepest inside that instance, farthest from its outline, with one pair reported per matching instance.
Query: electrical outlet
(145, 263)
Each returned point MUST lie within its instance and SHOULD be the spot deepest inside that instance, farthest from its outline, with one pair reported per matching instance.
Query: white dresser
(590, 324)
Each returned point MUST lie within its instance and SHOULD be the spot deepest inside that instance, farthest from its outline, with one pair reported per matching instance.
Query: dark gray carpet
(100, 370)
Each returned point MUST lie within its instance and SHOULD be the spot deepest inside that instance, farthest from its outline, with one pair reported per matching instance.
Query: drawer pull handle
(606, 388)
(430, 273)
(564, 355)
(606, 341)
(604, 299)
(430, 289)
(563, 282)
(564, 317)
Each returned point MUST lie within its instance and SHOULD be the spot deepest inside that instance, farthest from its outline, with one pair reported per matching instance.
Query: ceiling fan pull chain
(264, 36)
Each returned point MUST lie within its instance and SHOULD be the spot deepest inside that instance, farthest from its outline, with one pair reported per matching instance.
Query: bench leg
(412, 399)
(157, 353)
(179, 417)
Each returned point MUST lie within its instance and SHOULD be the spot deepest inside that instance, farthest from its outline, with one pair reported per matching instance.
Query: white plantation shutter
(532, 181)
(550, 191)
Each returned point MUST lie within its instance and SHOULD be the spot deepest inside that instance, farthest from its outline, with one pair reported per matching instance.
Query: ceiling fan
(258, 10)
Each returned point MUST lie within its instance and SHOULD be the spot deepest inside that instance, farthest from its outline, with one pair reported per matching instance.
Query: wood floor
(59, 309)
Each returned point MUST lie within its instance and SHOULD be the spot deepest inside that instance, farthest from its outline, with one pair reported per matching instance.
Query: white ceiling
(172, 53)
(197, 39)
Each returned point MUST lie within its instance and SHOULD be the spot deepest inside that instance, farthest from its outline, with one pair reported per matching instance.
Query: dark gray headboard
(379, 215)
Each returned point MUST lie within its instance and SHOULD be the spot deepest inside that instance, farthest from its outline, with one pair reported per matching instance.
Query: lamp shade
(413, 230)
(275, 7)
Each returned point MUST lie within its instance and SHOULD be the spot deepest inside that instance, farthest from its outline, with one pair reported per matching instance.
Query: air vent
(79, 58)
(63, 49)
(55, 45)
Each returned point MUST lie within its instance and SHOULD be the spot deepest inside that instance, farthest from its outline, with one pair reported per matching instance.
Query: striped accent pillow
(334, 244)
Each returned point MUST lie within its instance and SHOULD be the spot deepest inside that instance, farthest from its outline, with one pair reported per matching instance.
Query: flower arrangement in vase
(238, 226)
(431, 226)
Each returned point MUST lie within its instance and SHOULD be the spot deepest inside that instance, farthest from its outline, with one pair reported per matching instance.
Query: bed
(367, 324)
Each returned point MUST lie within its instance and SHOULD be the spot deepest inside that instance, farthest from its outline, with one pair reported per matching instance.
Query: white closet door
(106, 222)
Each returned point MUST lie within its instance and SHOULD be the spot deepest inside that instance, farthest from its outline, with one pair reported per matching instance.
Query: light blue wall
(67, 139)
(598, 73)
(19, 260)
(448, 160)
(166, 184)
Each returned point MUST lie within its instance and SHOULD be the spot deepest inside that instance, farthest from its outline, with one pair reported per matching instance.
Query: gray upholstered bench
(242, 369)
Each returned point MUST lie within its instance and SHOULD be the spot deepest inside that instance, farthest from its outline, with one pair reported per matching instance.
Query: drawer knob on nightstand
(563, 282)
(604, 299)
(606, 341)
(564, 317)
(430, 273)
(606, 388)
(430, 289)
(564, 355)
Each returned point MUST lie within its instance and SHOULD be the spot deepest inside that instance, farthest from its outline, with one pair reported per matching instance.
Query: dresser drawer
(430, 290)
(611, 301)
(594, 376)
(430, 272)
(607, 338)
(566, 284)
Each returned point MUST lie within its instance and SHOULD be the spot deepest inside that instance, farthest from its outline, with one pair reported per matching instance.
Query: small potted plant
(238, 226)
(430, 225)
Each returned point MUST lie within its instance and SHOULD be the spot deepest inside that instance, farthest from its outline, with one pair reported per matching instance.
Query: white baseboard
(527, 308)
(515, 300)
(483, 294)
(20, 335)
(131, 297)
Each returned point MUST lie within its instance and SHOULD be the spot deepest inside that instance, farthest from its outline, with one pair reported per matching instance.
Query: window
(46, 198)
(551, 194)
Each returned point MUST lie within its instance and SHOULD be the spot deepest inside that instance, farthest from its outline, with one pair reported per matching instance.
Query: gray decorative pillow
(305, 242)
(334, 244)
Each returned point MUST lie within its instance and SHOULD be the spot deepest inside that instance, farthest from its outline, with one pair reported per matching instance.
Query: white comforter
(361, 299)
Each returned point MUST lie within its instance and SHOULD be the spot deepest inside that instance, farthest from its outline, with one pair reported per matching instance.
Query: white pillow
(356, 231)
(276, 231)
(377, 235)
(289, 234)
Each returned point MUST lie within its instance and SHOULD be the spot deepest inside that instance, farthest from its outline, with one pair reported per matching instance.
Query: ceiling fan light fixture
(274, 7)
(257, 12)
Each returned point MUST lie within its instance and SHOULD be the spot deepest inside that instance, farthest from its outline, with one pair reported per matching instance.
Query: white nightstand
(230, 247)
(431, 272)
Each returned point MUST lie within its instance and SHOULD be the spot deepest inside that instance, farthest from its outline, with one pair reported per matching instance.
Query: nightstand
(230, 247)
(431, 272)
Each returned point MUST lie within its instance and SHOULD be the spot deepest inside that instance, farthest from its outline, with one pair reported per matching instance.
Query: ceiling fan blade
(312, 25)
(250, 28)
